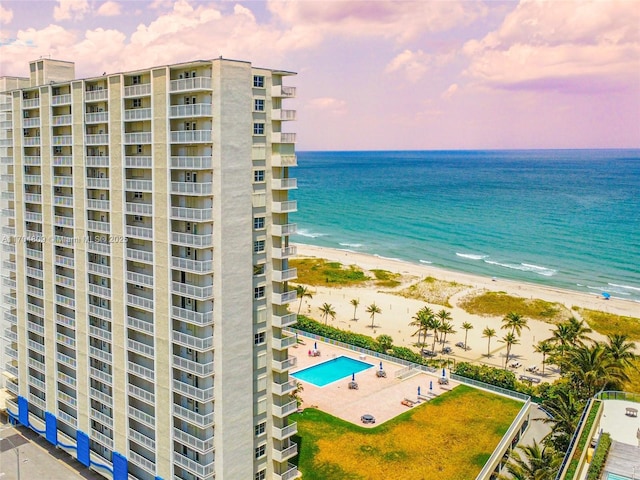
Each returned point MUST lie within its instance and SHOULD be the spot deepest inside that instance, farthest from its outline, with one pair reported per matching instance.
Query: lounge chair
(408, 403)
(381, 374)
(353, 385)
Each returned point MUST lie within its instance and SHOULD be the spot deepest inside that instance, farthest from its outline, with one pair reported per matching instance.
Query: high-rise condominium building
(145, 271)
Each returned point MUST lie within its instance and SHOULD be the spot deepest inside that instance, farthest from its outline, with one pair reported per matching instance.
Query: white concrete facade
(145, 237)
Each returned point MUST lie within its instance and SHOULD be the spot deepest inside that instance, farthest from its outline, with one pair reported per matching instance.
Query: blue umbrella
(444, 373)
(606, 295)
(380, 365)
(315, 345)
(430, 384)
(418, 390)
(353, 377)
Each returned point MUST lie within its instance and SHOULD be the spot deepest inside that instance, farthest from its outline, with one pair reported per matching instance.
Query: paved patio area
(622, 428)
(380, 397)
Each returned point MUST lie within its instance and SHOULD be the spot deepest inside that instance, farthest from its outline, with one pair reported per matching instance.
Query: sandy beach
(397, 311)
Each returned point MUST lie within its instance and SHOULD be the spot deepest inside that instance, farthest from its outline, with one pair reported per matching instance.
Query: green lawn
(450, 437)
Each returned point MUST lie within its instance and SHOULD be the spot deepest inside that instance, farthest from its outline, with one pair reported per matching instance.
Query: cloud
(109, 9)
(402, 21)
(70, 9)
(6, 15)
(450, 92)
(412, 64)
(571, 47)
(328, 104)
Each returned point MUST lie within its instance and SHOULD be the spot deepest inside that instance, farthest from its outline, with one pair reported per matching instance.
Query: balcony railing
(279, 137)
(196, 343)
(200, 293)
(283, 115)
(137, 138)
(98, 183)
(284, 388)
(62, 161)
(97, 161)
(140, 279)
(61, 99)
(282, 321)
(192, 240)
(284, 207)
(187, 84)
(198, 214)
(191, 162)
(31, 103)
(142, 417)
(29, 122)
(283, 91)
(284, 252)
(284, 365)
(192, 188)
(96, 117)
(196, 266)
(191, 136)
(137, 114)
(283, 230)
(96, 95)
(139, 185)
(202, 446)
(138, 162)
(286, 409)
(189, 366)
(139, 255)
(140, 325)
(289, 473)
(202, 421)
(139, 232)
(32, 160)
(197, 318)
(201, 394)
(97, 139)
(141, 371)
(196, 110)
(60, 120)
(139, 208)
(62, 140)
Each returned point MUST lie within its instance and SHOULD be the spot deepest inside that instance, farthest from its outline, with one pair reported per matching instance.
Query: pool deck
(380, 397)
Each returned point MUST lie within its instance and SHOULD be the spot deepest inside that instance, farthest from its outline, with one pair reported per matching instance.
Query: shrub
(484, 373)
(599, 457)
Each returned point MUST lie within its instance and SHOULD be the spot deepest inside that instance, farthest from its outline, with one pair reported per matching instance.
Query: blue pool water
(330, 371)
(614, 476)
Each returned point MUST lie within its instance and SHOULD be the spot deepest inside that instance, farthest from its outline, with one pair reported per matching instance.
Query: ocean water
(563, 218)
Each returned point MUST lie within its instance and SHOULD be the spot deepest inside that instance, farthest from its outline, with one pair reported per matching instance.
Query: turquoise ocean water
(563, 218)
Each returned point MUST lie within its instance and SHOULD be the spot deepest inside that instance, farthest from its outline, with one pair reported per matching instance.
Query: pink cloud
(412, 64)
(328, 104)
(70, 9)
(563, 46)
(6, 14)
(109, 9)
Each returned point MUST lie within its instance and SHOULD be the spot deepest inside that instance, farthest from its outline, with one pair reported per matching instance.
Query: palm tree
(620, 350)
(422, 321)
(295, 394)
(562, 338)
(535, 463)
(579, 331)
(327, 311)
(564, 409)
(466, 327)
(445, 329)
(373, 309)
(385, 342)
(592, 368)
(510, 340)
(355, 302)
(436, 325)
(303, 292)
(545, 347)
(515, 322)
(488, 333)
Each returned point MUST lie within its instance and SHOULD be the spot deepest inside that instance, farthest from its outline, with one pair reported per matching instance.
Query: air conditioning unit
(58, 189)
(181, 76)
(193, 74)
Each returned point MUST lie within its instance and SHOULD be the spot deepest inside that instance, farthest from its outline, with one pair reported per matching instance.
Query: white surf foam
(471, 256)
(351, 245)
(307, 233)
(525, 267)
(426, 261)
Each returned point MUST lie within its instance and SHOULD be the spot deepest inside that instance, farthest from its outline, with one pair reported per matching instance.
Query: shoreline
(397, 311)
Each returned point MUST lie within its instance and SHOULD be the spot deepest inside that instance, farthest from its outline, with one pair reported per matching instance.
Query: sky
(378, 75)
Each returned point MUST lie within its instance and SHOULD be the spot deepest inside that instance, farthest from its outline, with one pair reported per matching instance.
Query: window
(258, 81)
(258, 176)
(137, 102)
(258, 105)
(260, 428)
(258, 128)
(258, 269)
(136, 80)
(57, 150)
(258, 223)
(258, 339)
(258, 292)
(138, 148)
(258, 246)
(260, 451)
(137, 195)
(261, 475)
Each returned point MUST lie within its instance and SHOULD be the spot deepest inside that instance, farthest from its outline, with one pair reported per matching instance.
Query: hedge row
(599, 457)
(484, 373)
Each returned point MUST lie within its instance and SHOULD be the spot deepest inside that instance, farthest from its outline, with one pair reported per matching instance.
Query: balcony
(101, 438)
(61, 120)
(137, 114)
(193, 342)
(287, 452)
(96, 95)
(96, 117)
(139, 208)
(191, 163)
(142, 439)
(137, 138)
(140, 279)
(284, 252)
(284, 275)
(201, 394)
(284, 365)
(93, 204)
(66, 301)
(62, 161)
(139, 185)
(101, 354)
(31, 103)
(61, 221)
(284, 183)
(98, 247)
(197, 214)
(284, 207)
(61, 99)
(195, 266)
(197, 318)
(101, 418)
(193, 291)
(103, 270)
(63, 261)
(33, 179)
(142, 417)
(28, 123)
(141, 348)
(100, 312)
(100, 375)
(96, 226)
(192, 240)
(65, 281)
(102, 397)
(141, 371)
(139, 232)
(62, 140)
(68, 419)
(285, 410)
(202, 446)
(61, 201)
(189, 366)
(140, 325)
(192, 188)
(191, 136)
(283, 115)
(283, 388)
(195, 110)
(28, 216)
(66, 360)
(190, 84)
(290, 473)
(283, 343)
(65, 320)
(137, 90)
(140, 302)
(61, 180)
(139, 255)
(100, 333)
(32, 160)
(97, 139)
(138, 162)
(282, 321)
(279, 137)
(284, 298)
(66, 340)
(97, 161)
(67, 380)
(202, 421)
(196, 468)
(284, 230)
(142, 462)
(142, 394)
(100, 291)
(281, 91)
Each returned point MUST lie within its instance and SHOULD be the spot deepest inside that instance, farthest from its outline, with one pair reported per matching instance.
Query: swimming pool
(615, 476)
(330, 371)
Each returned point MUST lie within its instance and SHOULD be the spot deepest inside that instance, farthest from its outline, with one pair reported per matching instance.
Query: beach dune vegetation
(432, 290)
(500, 304)
(319, 272)
(609, 323)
